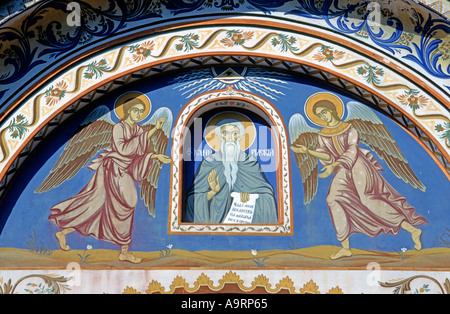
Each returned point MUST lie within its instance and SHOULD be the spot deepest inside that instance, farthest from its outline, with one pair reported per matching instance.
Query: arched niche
(269, 148)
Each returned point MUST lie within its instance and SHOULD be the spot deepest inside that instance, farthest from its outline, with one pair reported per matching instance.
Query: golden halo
(122, 100)
(215, 143)
(314, 99)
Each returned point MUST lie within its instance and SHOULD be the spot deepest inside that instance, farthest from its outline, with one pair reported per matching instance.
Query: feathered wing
(374, 134)
(158, 145)
(301, 133)
(94, 135)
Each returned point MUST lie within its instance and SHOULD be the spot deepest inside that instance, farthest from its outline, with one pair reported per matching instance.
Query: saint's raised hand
(214, 182)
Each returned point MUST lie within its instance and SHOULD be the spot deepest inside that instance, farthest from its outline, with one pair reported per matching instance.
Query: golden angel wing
(301, 133)
(94, 135)
(158, 145)
(374, 134)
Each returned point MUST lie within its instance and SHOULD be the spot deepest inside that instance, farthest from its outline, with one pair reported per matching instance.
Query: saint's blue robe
(250, 179)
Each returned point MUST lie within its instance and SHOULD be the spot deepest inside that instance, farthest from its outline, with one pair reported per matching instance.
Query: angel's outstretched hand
(299, 149)
(162, 158)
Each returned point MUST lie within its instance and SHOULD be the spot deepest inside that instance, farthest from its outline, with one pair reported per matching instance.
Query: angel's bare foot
(128, 257)
(61, 237)
(416, 236)
(342, 253)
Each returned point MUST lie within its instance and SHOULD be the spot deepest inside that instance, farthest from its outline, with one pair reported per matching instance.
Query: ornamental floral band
(194, 282)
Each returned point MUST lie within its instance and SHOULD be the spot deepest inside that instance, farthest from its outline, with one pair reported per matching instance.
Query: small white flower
(403, 249)
(170, 246)
(254, 252)
(89, 247)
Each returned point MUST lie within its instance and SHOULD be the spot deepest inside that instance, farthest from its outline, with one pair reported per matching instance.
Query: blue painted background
(312, 223)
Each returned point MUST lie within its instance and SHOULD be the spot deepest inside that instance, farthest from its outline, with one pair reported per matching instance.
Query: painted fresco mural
(82, 196)
(293, 164)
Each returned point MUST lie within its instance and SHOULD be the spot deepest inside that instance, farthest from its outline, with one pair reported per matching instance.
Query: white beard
(230, 155)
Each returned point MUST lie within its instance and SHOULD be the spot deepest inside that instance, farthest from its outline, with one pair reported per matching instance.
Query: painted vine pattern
(47, 284)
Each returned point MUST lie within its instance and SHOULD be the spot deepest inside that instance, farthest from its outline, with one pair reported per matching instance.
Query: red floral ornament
(328, 54)
(55, 94)
(142, 51)
(413, 99)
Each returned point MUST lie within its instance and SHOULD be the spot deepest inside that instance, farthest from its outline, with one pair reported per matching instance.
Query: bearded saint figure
(228, 171)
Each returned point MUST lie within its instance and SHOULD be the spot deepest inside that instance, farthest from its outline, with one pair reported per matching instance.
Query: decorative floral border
(231, 282)
(403, 286)
(36, 284)
(441, 6)
(219, 281)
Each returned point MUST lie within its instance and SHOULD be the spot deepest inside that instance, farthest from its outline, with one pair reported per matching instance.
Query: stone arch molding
(377, 79)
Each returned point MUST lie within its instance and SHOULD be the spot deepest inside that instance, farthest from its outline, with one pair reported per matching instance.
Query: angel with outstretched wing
(359, 199)
(129, 153)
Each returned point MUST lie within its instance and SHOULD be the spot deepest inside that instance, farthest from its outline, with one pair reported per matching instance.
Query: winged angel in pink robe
(131, 153)
(360, 200)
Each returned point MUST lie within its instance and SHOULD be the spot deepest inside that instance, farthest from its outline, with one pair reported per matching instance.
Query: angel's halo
(124, 98)
(314, 99)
